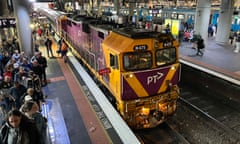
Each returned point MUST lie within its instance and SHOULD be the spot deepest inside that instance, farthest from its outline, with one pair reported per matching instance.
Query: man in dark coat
(48, 44)
(16, 91)
(200, 46)
(42, 61)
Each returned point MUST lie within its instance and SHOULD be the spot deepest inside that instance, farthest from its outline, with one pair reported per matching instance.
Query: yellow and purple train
(139, 67)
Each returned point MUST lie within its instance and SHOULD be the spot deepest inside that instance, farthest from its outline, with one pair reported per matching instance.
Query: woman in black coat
(200, 46)
(18, 129)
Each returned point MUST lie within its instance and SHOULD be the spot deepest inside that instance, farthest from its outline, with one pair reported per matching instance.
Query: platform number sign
(7, 22)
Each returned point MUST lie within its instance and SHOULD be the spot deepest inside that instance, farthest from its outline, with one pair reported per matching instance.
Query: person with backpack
(200, 46)
(237, 49)
(31, 110)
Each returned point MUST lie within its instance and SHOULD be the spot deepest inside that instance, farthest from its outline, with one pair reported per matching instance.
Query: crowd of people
(21, 96)
(21, 82)
(46, 39)
(197, 41)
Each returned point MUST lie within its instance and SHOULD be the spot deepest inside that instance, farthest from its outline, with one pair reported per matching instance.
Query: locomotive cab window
(165, 56)
(137, 60)
(113, 61)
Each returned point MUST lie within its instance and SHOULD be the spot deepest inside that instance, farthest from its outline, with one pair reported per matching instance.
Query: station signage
(7, 22)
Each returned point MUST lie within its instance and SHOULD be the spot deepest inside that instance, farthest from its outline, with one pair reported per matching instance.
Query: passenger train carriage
(139, 67)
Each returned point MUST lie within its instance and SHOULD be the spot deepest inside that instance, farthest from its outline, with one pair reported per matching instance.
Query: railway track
(205, 112)
(163, 134)
(201, 121)
(198, 120)
(221, 115)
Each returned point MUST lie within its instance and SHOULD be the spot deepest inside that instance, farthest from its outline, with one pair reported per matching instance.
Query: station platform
(221, 60)
(71, 119)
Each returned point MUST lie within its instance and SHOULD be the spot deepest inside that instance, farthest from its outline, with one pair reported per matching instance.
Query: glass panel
(165, 56)
(137, 60)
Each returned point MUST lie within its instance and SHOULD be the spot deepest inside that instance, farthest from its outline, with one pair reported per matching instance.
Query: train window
(101, 35)
(69, 23)
(74, 23)
(165, 56)
(85, 28)
(137, 60)
(113, 61)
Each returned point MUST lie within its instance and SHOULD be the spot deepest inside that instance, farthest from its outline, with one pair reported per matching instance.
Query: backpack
(238, 38)
(21, 100)
(201, 44)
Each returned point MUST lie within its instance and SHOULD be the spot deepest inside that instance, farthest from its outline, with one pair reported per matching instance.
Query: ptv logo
(154, 78)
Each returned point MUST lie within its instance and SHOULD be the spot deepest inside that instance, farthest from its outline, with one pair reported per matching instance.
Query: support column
(23, 26)
(202, 17)
(224, 21)
(131, 11)
(117, 6)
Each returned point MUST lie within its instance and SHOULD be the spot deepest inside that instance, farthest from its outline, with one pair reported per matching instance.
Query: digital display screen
(155, 11)
(180, 16)
(7, 22)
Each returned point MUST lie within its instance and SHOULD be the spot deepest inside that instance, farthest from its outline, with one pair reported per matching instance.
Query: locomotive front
(148, 72)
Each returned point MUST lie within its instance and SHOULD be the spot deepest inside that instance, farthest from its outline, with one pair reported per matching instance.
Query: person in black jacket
(19, 129)
(42, 61)
(200, 46)
(31, 110)
(16, 91)
(237, 49)
(48, 44)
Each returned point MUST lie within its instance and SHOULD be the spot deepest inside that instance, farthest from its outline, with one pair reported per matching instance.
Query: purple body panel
(151, 81)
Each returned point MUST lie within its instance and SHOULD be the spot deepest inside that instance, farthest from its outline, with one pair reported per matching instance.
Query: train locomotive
(139, 67)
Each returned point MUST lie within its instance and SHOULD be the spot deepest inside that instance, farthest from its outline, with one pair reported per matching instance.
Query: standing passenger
(42, 61)
(16, 91)
(18, 129)
(31, 110)
(59, 45)
(64, 50)
(5, 86)
(231, 37)
(200, 46)
(48, 44)
(210, 31)
(237, 49)
(214, 29)
(37, 69)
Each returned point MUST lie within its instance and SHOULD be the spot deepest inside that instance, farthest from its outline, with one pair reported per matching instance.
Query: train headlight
(162, 107)
(145, 111)
(129, 75)
(173, 67)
